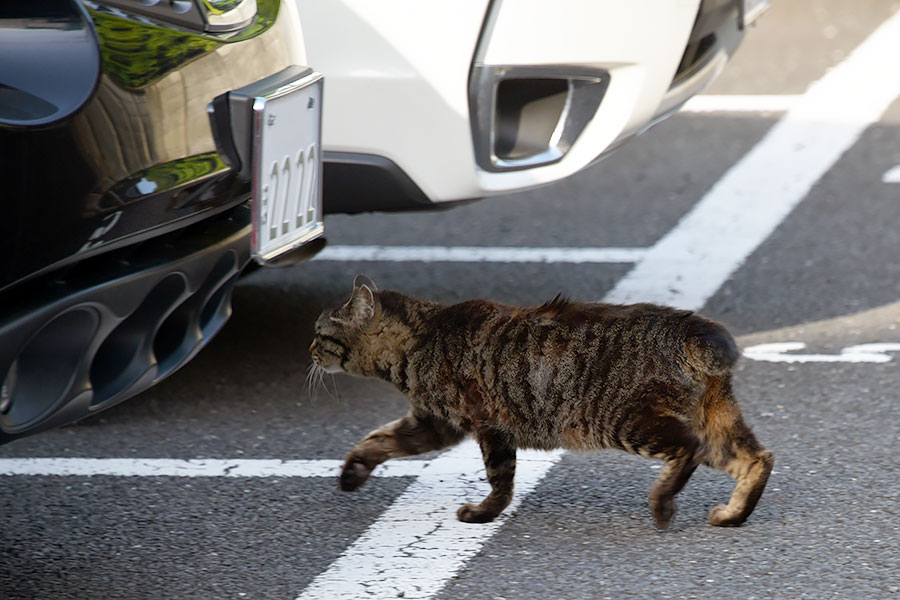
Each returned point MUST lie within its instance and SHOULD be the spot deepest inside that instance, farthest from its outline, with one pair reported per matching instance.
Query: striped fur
(646, 379)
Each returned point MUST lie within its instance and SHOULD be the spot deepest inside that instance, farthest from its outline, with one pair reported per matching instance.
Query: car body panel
(138, 158)
(396, 78)
(404, 85)
(123, 231)
(60, 38)
(382, 72)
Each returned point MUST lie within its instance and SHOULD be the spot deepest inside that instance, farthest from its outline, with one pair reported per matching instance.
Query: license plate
(287, 168)
(752, 9)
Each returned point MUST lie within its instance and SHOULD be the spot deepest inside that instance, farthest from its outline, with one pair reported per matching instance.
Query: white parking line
(165, 467)
(892, 176)
(689, 264)
(715, 103)
(481, 254)
(863, 353)
(418, 544)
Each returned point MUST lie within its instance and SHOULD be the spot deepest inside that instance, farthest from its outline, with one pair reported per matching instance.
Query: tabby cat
(646, 379)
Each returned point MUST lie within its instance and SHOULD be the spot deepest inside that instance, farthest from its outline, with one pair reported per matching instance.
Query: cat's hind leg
(661, 435)
(674, 476)
(731, 447)
(499, 456)
(750, 466)
(413, 434)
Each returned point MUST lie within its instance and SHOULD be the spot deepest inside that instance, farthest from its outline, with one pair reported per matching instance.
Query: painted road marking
(892, 176)
(863, 353)
(417, 545)
(689, 264)
(714, 103)
(481, 254)
(411, 551)
(165, 467)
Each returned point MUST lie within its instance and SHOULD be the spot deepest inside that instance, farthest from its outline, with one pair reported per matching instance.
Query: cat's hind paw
(720, 516)
(354, 474)
(473, 513)
(663, 511)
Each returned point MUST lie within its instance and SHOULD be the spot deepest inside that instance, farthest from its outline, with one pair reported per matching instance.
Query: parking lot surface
(769, 205)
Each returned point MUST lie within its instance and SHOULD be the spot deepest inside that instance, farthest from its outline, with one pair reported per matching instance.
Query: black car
(133, 134)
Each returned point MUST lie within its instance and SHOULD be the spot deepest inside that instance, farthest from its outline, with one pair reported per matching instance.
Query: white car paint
(397, 76)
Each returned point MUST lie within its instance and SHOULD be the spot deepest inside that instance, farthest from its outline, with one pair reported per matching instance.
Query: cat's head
(338, 345)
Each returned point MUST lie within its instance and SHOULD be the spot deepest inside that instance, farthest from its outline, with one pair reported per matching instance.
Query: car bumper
(79, 342)
(405, 94)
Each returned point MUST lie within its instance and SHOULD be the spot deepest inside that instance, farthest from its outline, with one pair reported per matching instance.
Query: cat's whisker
(323, 384)
(314, 383)
(337, 394)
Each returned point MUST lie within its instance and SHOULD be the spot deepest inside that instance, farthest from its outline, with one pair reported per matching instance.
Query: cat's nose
(313, 345)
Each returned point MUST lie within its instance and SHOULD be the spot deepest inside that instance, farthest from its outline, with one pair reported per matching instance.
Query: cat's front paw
(354, 474)
(720, 516)
(473, 513)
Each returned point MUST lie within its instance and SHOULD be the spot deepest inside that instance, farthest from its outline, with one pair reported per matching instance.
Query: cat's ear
(361, 306)
(364, 280)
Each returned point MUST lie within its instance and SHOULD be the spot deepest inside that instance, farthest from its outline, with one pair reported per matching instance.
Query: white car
(434, 102)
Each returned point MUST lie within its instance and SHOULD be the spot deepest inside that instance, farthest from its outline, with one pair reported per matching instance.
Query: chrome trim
(756, 10)
(195, 15)
(699, 76)
(692, 83)
(586, 88)
(229, 20)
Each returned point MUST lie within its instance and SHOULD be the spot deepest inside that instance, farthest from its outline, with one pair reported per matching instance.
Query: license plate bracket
(270, 134)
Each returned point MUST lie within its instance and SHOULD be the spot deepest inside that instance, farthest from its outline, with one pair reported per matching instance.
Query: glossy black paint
(49, 61)
(122, 229)
(116, 324)
(131, 156)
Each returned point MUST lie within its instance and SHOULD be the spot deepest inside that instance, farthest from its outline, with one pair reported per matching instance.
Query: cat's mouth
(324, 359)
(320, 360)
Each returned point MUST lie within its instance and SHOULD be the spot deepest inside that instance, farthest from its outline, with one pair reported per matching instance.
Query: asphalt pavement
(827, 277)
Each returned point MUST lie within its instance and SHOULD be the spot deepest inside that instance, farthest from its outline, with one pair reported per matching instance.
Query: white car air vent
(523, 117)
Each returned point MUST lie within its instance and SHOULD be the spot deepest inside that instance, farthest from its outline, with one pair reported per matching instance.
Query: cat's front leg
(415, 433)
(499, 455)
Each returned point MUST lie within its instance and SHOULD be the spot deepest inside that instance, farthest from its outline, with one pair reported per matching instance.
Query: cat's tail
(710, 347)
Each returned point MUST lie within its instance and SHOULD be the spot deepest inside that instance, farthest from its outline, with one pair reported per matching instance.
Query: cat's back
(627, 324)
(629, 331)
(585, 337)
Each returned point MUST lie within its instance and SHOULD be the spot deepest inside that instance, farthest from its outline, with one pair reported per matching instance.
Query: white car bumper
(406, 83)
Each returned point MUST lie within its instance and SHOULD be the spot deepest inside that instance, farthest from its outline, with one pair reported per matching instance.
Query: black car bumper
(77, 342)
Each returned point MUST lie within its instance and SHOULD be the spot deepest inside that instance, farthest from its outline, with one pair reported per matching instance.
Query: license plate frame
(751, 10)
(286, 168)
